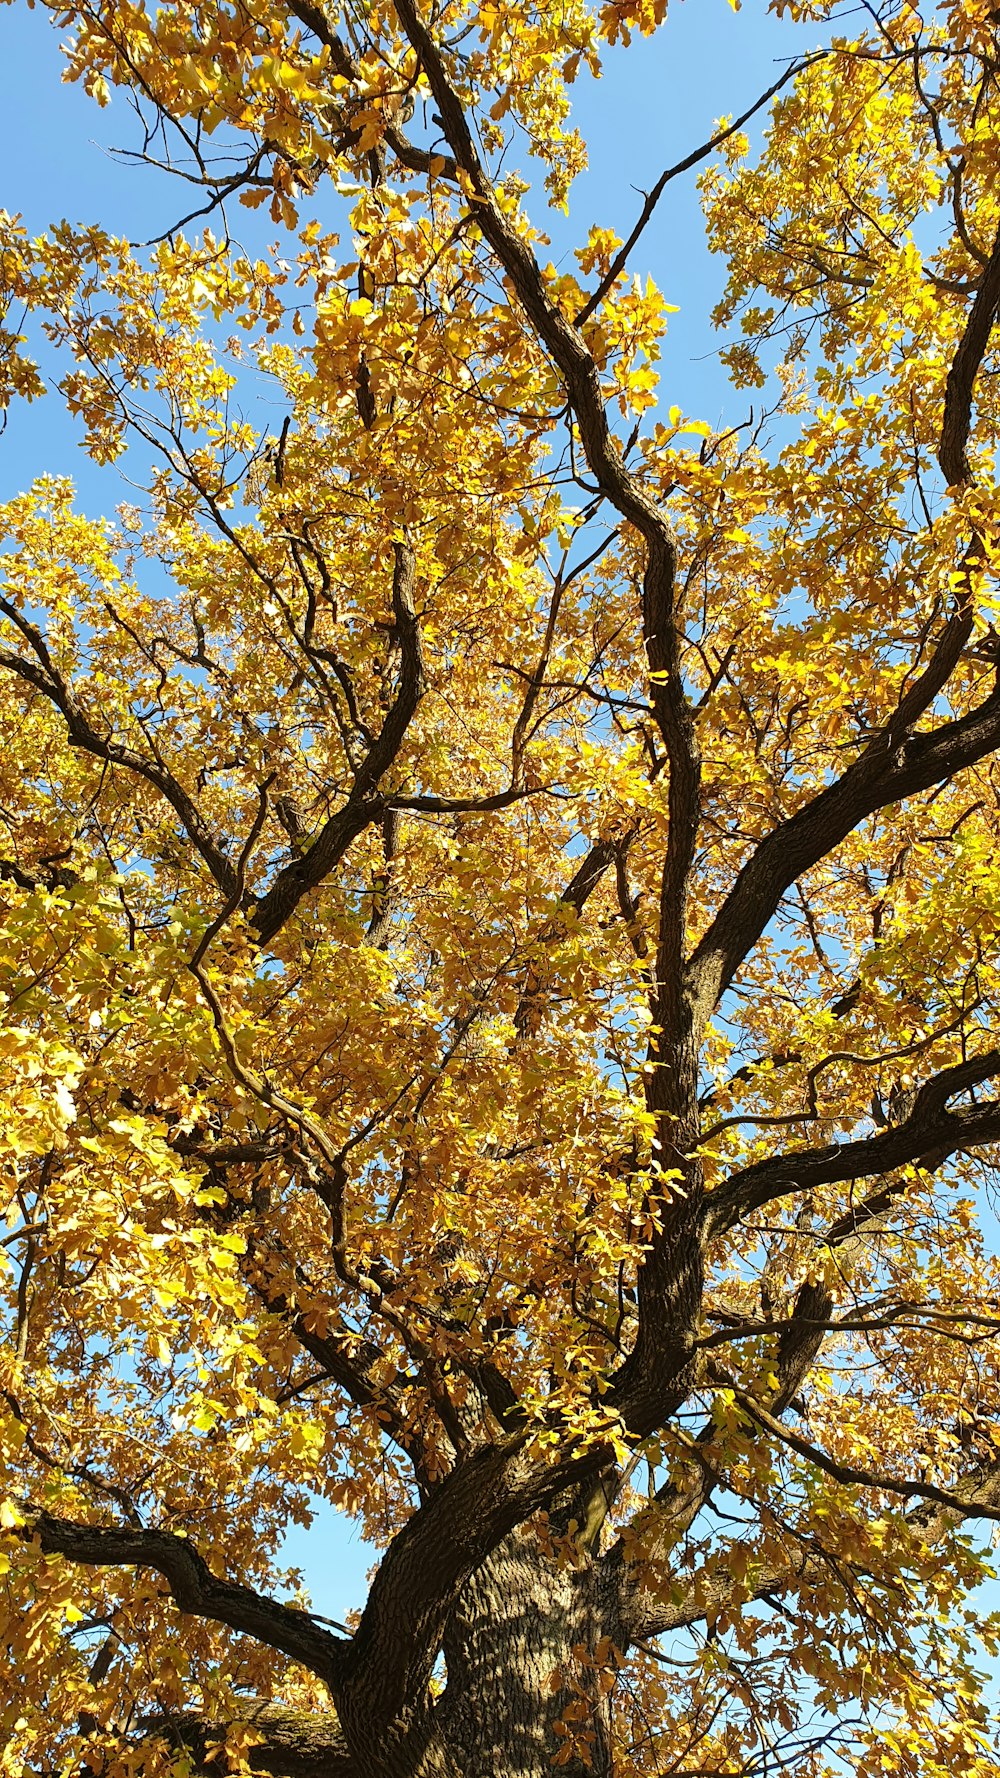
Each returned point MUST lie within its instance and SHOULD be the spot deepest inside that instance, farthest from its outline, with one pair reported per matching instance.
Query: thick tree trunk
(522, 1675)
(525, 1679)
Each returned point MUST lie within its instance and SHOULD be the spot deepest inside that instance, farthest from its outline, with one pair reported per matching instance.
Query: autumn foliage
(499, 918)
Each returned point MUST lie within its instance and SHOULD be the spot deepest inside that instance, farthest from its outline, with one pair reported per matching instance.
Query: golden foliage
(500, 917)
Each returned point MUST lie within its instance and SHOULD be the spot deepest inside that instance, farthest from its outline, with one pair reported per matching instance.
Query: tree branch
(875, 780)
(953, 446)
(592, 868)
(981, 1505)
(417, 159)
(670, 1280)
(195, 1589)
(383, 1698)
(701, 1596)
(894, 764)
(363, 806)
(81, 733)
(293, 1743)
(930, 1132)
(653, 196)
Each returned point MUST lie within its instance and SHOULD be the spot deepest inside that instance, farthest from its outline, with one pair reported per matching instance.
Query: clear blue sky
(655, 104)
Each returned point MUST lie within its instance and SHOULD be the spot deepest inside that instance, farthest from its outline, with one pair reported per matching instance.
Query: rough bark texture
(517, 1652)
(523, 1680)
(293, 1743)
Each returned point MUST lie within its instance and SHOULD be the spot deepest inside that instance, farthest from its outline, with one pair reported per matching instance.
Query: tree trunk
(523, 1679)
(529, 1674)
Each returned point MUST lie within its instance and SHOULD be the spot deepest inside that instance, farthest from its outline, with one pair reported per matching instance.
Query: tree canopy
(499, 916)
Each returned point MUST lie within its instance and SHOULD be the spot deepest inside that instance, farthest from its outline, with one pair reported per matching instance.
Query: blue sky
(655, 104)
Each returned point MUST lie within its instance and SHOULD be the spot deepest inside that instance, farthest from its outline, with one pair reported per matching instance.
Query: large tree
(500, 923)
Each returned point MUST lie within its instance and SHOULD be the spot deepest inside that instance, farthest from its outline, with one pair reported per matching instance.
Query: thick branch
(956, 469)
(417, 159)
(293, 1743)
(563, 340)
(700, 1598)
(384, 1697)
(580, 375)
(801, 1334)
(356, 1366)
(195, 1589)
(982, 1505)
(643, 1613)
(880, 777)
(930, 1133)
(953, 447)
(670, 1280)
(894, 764)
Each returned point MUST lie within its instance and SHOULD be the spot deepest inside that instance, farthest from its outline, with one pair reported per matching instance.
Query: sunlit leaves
(317, 1218)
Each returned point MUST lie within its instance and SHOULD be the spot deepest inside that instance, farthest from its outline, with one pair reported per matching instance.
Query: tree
(500, 922)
